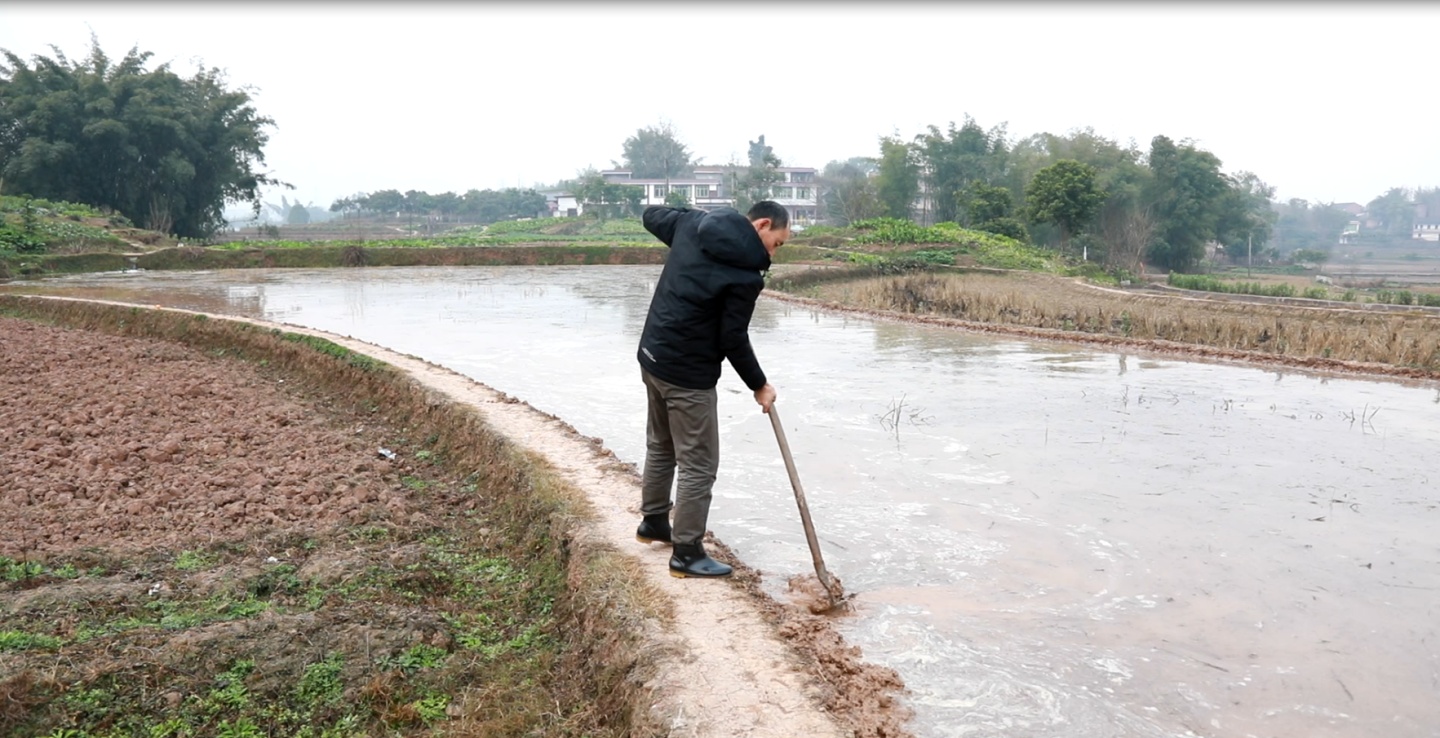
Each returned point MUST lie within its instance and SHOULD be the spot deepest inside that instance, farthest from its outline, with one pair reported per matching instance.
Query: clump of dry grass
(1038, 301)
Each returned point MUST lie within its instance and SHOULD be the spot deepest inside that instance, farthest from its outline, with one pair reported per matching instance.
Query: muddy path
(739, 662)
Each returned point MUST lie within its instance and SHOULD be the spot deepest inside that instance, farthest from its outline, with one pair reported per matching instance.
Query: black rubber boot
(690, 560)
(654, 528)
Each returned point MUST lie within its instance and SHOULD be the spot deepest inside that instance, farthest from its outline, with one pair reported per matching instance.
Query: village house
(563, 204)
(1352, 228)
(1426, 229)
(713, 186)
(704, 189)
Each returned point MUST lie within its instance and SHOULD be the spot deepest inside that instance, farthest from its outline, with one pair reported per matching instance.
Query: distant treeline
(1085, 193)
(475, 206)
(168, 152)
(1080, 192)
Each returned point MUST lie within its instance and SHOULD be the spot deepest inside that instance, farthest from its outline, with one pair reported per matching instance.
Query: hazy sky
(1328, 102)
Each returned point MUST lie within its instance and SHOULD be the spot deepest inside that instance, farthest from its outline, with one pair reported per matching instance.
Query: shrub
(940, 257)
(894, 230)
(1092, 271)
(1005, 253)
(1316, 293)
(824, 230)
(18, 241)
(1008, 227)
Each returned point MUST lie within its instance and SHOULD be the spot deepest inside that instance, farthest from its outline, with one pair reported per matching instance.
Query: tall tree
(1128, 235)
(950, 160)
(1187, 193)
(1066, 194)
(386, 202)
(1395, 211)
(898, 179)
(982, 203)
(168, 152)
(489, 206)
(1119, 174)
(347, 206)
(447, 205)
(1292, 224)
(847, 191)
(655, 152)
(990, 208)
(752, 184)
(1246, 219)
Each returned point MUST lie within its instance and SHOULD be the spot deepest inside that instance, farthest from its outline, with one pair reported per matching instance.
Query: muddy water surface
(1045, 540)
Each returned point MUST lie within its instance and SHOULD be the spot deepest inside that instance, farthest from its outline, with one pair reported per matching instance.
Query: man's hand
(766, 397)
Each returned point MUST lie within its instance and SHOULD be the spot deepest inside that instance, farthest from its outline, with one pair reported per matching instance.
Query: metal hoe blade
(831, 585)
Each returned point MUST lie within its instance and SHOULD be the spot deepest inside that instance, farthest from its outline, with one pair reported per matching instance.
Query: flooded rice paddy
(1044, 539)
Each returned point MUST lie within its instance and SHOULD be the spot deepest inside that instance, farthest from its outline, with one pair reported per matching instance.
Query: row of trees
(169, 152)
(1079, 191)
(165, 150)
(475, 206)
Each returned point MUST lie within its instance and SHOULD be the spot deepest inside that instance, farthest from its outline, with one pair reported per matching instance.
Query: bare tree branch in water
(891, 419)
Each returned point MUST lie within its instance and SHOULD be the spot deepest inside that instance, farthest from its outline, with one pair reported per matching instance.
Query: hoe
(833, 591)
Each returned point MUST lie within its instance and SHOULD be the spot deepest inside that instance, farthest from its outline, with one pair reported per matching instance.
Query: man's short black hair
(778, 215)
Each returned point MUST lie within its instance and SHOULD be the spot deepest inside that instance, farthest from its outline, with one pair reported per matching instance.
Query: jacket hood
(728, 237)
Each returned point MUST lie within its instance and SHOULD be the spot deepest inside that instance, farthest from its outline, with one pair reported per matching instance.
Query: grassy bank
(1287, 287)
(36, 226)
(1047, 302)
(484, 610)
(406, 233)
(901, 244)
(323, 256)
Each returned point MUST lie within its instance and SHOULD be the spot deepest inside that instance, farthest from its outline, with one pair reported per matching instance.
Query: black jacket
(700, 313)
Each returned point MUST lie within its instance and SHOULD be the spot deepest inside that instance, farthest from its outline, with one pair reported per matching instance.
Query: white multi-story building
(799, 193)
(705, 188)
(712, 187)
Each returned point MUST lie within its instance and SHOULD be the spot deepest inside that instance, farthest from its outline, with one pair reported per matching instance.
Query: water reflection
(1046, 540)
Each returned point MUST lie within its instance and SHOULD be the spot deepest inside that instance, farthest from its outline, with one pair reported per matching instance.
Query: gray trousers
(682, 428)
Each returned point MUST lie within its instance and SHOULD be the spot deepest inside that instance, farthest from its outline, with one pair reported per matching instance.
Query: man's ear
(761, 224)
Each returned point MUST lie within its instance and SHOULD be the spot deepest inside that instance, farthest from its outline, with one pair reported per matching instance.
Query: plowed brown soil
(127, 443)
